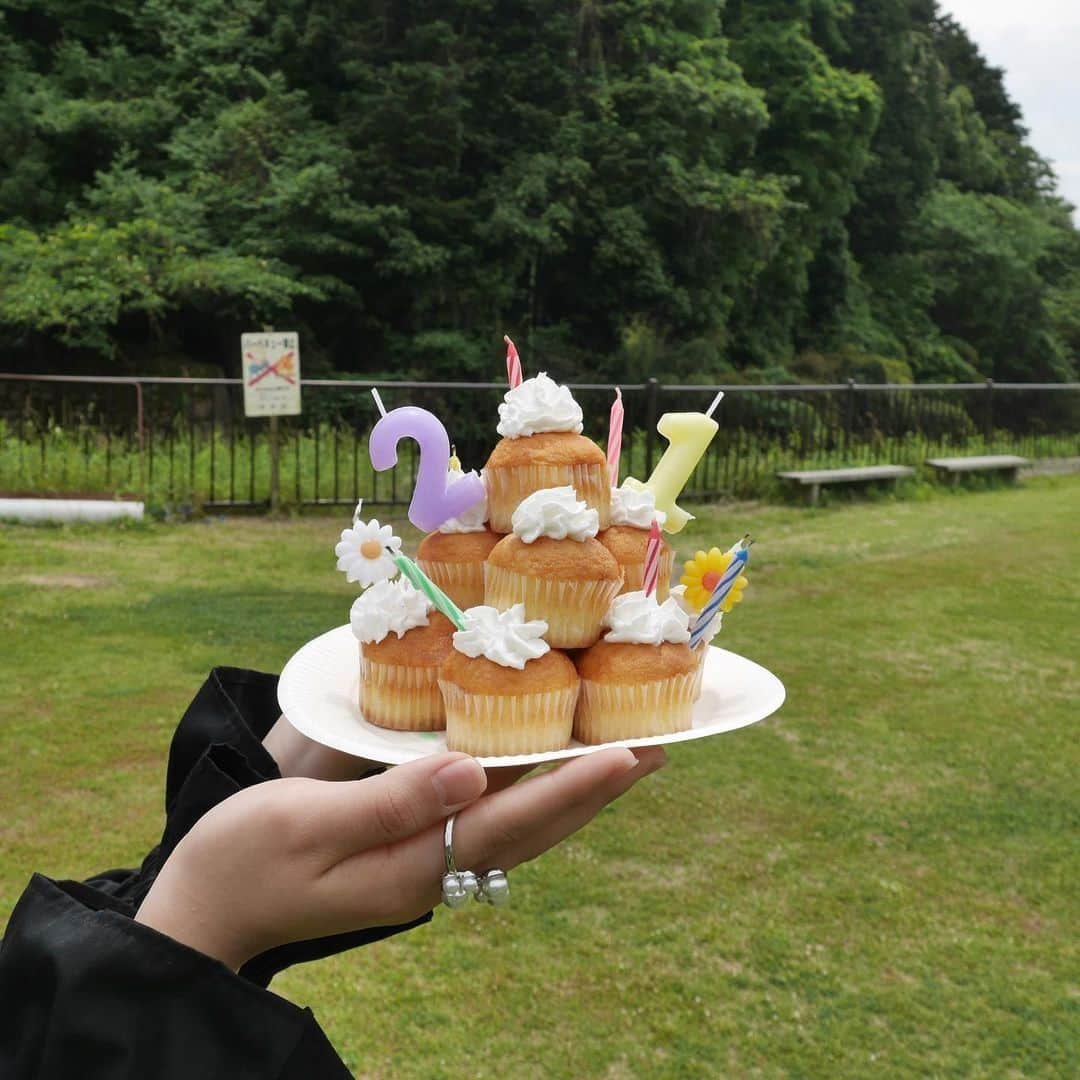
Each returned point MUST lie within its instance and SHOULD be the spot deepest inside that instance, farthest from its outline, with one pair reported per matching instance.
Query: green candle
(422, 583)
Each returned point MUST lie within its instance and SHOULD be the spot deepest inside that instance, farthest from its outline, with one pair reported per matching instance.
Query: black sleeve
(86, 991)
(217, 750)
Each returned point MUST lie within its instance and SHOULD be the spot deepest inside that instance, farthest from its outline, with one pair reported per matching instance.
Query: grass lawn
(878, 881)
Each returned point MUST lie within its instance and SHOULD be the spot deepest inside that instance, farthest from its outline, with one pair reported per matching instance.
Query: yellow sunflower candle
(703, 573)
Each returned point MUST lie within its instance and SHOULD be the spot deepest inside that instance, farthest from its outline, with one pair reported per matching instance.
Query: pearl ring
(458, 885)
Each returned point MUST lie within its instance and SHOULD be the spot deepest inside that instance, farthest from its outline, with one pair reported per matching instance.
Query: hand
(297, 755)
(293, 859)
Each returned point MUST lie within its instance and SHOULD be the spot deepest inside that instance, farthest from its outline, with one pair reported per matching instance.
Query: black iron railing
(186, 442)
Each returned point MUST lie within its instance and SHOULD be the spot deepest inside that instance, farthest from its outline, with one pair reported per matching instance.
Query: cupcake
(641, 679)
(627, 538)
(542, 447)
(505, 690)
(553, 564)
(403, 642)
(453, 556)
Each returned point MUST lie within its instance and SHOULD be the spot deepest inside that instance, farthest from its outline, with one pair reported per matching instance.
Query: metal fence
(186, 442)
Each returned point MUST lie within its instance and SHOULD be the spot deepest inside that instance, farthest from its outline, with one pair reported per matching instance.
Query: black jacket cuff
(89, 992)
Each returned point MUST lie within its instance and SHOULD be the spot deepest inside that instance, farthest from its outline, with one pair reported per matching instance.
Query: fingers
(576, 817)
(506, 833)
(398, 804)
(514, 824)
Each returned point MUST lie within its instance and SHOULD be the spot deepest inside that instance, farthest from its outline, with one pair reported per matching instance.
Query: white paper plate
(319, 691)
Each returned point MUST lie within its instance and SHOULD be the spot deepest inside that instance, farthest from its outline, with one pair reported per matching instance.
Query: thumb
(399, 803)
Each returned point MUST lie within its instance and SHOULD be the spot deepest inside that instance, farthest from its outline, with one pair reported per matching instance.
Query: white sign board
(271, 370)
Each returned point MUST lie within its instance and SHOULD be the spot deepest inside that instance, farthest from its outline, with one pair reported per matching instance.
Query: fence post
(652, 390)
(275, 466)
(988, 414)
(140, 437)
(849, 415)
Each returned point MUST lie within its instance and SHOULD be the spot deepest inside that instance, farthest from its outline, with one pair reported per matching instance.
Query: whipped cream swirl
(504, 637)
(538, 405)
(555, 512)
(637, 619)
(636, 508)
(388, 606)
(474, 519)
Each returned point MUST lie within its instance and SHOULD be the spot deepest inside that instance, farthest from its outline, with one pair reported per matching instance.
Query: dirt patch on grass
(66, 581)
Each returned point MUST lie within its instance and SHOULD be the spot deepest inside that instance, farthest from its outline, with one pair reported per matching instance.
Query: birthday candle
(513, 363)
(688, 436)
(651, 573)
(719, 594)
(421, 582)
(614, 442)
(434, 500)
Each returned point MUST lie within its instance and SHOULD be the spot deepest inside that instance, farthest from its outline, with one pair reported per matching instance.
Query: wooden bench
(816, 478)
(955, 466)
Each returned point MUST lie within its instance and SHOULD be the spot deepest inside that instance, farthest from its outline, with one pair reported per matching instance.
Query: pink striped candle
(513, 363)
(614, 439)
(651, 574)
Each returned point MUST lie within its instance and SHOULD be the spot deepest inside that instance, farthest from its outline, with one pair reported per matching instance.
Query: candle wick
(715, 401)
(378, 401)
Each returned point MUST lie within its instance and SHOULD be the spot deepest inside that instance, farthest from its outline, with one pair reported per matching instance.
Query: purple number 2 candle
(434, 500)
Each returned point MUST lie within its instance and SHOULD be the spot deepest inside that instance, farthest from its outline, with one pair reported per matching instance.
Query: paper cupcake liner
(607, 712)
(463, 582)
(401, 698)
(634, 575)
(508, 487)
(493, 724)
(573, 610)
(700, 652)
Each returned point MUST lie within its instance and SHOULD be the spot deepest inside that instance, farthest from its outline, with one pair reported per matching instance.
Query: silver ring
(458, 885)
(448, 844)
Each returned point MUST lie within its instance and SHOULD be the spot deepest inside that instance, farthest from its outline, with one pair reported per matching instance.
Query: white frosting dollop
(388, 606)
(537, 405)
(474, 519)
(504, 637)
(638, 619)
(678, 592)
(555, 512)
(636, 508)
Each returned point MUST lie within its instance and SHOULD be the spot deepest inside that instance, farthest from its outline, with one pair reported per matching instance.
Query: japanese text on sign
(271, 371)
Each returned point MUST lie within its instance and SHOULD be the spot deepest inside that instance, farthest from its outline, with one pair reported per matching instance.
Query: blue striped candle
(719, 594)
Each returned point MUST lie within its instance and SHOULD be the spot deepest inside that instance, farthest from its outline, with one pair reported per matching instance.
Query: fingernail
(459, 783)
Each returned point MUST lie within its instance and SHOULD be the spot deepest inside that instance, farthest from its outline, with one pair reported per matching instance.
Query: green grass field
(878, 881)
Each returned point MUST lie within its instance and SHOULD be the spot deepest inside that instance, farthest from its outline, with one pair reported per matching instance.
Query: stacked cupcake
(454, 555)
(641, 679)
(553, 565)
(627, 538)
(402, 640)
(568, 629)
(506, 690)
(542, 447)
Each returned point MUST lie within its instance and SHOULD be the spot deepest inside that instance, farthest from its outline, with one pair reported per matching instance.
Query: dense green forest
(774, 190)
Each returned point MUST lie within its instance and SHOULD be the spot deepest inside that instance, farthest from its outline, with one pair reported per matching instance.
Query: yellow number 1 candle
(688, 435)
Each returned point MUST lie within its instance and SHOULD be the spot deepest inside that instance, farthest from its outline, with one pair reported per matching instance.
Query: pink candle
(513, 363)
(434, 500)
(614, 440)
(651, 574)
